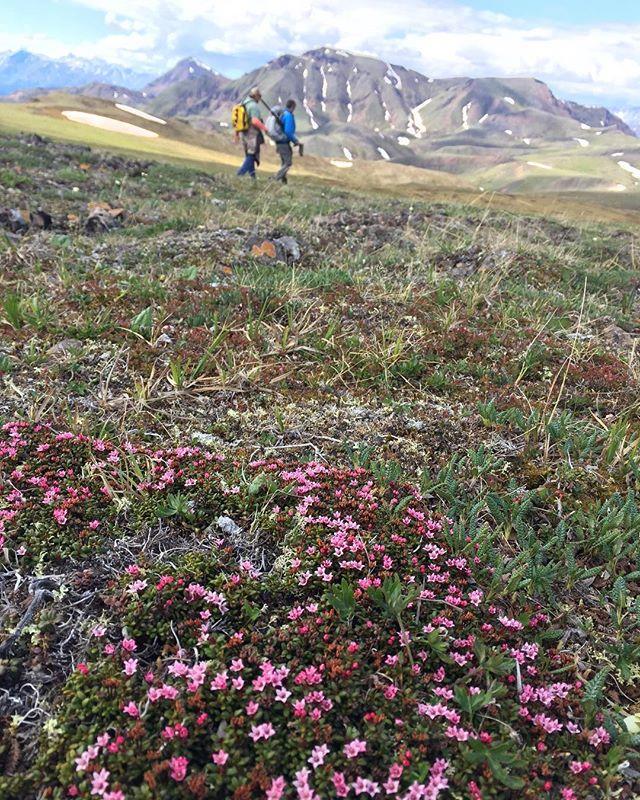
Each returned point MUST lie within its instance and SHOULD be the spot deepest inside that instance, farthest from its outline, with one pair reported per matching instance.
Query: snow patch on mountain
(416, 126)
(139, 113)
(393, 74)
(627, 167)
(384, 154)
(465, 116)
(581, 142)
(323, 102)
(538, 165)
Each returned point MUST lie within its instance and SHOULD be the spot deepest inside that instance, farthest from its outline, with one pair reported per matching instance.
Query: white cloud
(438, 38)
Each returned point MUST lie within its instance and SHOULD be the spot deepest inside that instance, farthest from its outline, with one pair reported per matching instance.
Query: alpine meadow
(322, 483)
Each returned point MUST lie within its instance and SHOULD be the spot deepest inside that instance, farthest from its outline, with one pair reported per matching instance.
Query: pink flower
(340, 785)
(60, 515)
(130, 666)
(354, 748)
(508, 622)
(390, 692)
(282, 694)
(475, 597)
(219, 683)
(318, 755)
(220, 758)
(98, 631)
(548, 724)
(129, 645)
(115, 795)
(100, 782)
(364, 786)
(264, 731)
(599, 736)
(252, 707)
(131, 709)
(276, 790)
(178, 767)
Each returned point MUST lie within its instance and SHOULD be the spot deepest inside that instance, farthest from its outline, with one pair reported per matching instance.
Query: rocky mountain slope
(352, 106)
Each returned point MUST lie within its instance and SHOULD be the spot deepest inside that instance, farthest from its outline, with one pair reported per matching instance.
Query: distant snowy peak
(22, 69)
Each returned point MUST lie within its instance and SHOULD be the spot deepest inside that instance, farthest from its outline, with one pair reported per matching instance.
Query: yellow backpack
(239, 118)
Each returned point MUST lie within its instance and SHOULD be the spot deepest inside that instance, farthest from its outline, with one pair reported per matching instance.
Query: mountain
(632, 117)
(24, 70)
(186, 90)
(352, 106)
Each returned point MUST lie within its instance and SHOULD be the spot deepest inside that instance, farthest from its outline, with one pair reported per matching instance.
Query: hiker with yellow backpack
(249, 127)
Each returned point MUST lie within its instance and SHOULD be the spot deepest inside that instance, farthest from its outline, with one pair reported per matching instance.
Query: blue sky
(585, 49)
(574, 12)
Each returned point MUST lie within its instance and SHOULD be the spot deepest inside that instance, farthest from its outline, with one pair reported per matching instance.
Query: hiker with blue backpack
(281, 126)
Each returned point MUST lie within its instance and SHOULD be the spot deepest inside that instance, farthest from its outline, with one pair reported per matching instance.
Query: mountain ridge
(23, 70)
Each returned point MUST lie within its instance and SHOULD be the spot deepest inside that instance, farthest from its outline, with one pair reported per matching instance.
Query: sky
(588, 50)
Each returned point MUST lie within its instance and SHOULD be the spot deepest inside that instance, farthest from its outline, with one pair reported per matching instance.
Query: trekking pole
(268, 107)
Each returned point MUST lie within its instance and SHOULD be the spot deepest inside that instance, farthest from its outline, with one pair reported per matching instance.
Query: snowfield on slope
(139, 113)
(108, 124)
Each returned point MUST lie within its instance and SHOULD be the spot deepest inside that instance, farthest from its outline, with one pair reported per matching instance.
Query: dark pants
(285, 152)
(251, 141)
(248, 166)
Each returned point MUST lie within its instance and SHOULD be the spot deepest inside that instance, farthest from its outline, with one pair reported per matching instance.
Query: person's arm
(259, 124)
(289, 126)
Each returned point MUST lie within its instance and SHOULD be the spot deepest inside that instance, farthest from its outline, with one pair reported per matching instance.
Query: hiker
(251, 129)
(286, 124)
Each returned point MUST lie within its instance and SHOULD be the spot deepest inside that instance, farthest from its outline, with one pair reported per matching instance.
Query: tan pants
(251, 141)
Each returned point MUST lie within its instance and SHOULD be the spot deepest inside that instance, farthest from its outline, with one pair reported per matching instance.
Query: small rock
(103, 218)
(284, 248)
(289, 249)
(64, 347)
(228, 526)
